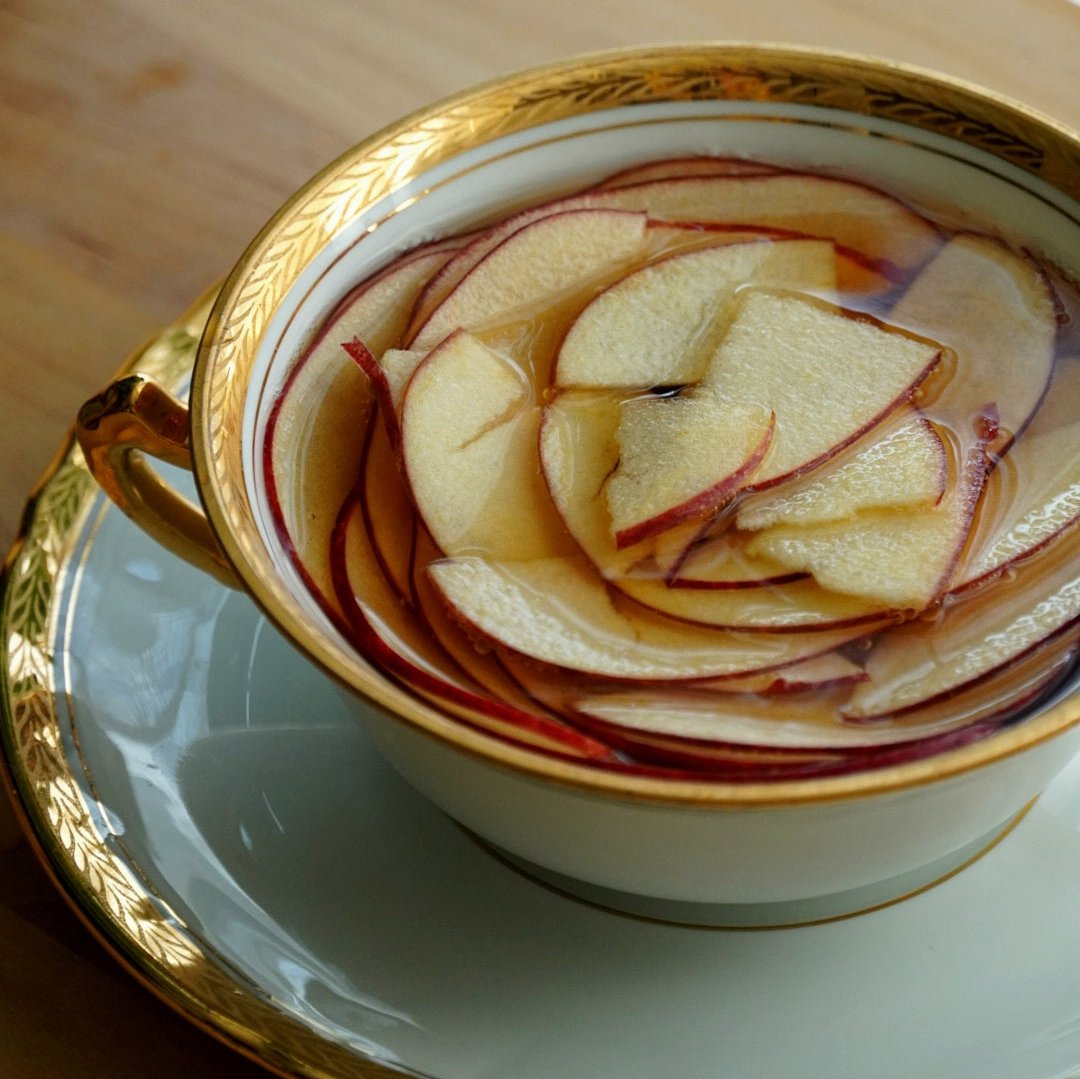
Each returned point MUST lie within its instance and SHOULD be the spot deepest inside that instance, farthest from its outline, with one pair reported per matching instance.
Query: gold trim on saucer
(67, 831)
(331, 202)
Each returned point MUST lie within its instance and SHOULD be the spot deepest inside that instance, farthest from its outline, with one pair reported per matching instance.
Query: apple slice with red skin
(577, 454)
(363, 357)
(559, 612)
(781, 351)
(659, 325)
(854, 215)
(396, 643)
(829, 375)
(316, 432)
(555, 686)
(902, 463)
(721, 561)
(386, 508)
(973, 636)
(700, 722)
(904, 558)
(680, 458)
(756, 740)
(470, 451)
(560, 253)
(554, 691)
(480, 664)
(829, 671)
(892, 238)
(682, 167)
(734, 760)
(1005, 341)
(1033, 495)
(712, 555)
(469, 425)
(797, 606)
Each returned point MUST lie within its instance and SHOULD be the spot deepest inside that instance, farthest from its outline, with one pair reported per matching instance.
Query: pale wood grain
(142, 143)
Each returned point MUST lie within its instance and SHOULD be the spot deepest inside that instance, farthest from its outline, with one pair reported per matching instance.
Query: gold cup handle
(132, 417)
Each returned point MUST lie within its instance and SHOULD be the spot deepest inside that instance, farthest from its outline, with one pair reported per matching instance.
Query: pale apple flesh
(555, 254)
(556, 611)
(658, 326)
(903, 558)
(900, 465)
(1006, 339)
(385, 634)
(679, 496)
(828, 375)
(970, 640)
(469, 436)
(321, 413)
(673, 466)
(1033, 495)
(891, 237)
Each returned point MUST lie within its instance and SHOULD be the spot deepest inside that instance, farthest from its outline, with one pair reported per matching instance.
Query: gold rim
(327, 205)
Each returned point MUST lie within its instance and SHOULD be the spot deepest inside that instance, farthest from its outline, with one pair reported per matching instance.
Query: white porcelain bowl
(692, 850)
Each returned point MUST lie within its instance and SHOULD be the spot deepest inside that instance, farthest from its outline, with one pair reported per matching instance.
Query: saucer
(218, 813)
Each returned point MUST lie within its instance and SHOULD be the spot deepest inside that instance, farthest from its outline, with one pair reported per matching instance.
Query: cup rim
(406, 148)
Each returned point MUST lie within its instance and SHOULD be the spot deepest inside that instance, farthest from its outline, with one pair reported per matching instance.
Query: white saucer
(247, 804)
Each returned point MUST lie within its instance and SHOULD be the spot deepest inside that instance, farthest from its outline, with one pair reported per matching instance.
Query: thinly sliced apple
(316, 432)
(558, 611)
(386, 634)
(578, 452)
(904, 558)
(660, 325)
(720, 561)
(1004, 342)
(387, 509)
(680, 459)
(829, 671)
(852, 214)
(828, 375)
(713, 555)
(901, 463)
(892, 238)
(697, 719)
(480, 664)
(686, 729)
(378, 310)
(469, 427)
(971, 638)
(798, 605)
(560, 253)
(398, 365)
(682, 167)
(1033, 495)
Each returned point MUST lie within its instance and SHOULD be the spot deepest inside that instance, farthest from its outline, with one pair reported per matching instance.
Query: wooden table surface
(142, 142)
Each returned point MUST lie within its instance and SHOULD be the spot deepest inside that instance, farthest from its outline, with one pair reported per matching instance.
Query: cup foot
(770, 915)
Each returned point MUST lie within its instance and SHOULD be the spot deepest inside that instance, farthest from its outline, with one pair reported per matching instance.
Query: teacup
(695, 850)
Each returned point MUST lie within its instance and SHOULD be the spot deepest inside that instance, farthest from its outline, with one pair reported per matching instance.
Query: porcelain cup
(691, 850)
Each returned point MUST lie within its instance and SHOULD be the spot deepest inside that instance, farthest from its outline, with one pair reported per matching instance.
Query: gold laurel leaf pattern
(77, 842)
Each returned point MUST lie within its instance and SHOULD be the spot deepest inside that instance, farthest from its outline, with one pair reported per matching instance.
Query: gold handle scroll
(132, 417)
